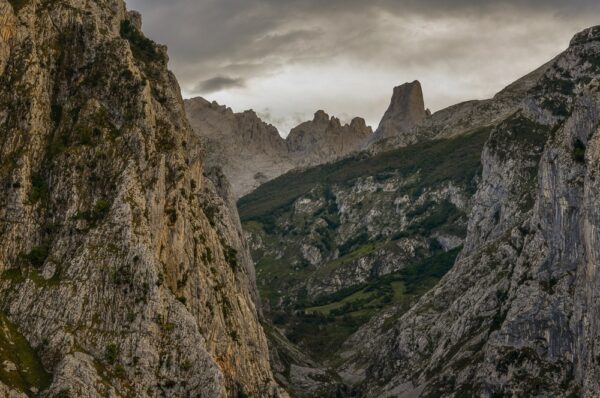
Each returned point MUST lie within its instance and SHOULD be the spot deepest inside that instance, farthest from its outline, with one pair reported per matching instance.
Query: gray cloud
(218, 83)
(357, 50)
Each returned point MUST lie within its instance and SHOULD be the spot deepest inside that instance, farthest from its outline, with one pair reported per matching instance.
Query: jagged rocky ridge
(123, 271)
(251, 152)
(518, 313)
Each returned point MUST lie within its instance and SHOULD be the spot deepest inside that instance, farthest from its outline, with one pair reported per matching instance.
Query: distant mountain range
(252, 152)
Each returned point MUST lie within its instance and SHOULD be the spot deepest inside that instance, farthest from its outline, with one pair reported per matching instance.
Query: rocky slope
(518, 313)
(251, 152)
(123, 271)
(339, 243)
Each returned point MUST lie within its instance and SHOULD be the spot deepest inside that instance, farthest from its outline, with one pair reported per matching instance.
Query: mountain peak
(135, 18)
(406, 111)
(408, 104)
(321, 116)
(325, 138)
(586, 36)
(358, 123)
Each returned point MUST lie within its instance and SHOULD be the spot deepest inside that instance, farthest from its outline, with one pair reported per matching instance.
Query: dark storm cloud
(486, 43)
(263, 34)
(218, 83)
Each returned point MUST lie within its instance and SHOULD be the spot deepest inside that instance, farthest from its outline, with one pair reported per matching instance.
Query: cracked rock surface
(123, 271)
(518, 313)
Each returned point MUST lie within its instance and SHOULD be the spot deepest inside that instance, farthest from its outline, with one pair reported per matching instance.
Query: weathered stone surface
(405, 113)
(251, 152)
(518, 314)
(121, 263)
(10, 393)
(325, 139)
(7, 31)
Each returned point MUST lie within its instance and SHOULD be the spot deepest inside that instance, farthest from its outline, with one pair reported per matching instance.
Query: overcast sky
(287, 58)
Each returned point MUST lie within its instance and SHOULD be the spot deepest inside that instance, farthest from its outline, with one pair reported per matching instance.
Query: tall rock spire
(406, 111)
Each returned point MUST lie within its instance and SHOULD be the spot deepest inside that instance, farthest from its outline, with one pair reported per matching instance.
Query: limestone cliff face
(251, 152)
(123, 270)
(405, 113)
(7, 29)
(324, 139)
(518, 313)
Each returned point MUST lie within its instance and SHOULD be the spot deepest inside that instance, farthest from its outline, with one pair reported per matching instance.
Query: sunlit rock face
(123, 269)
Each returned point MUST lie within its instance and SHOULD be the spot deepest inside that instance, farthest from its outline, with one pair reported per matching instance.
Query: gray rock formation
(252, 152)
(249, 151)
(405, 113)
(449, 122)
(518, 313)
(325, 139)
(122, 267)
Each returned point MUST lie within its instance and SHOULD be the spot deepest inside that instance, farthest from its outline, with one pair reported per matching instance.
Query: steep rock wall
(120, 263)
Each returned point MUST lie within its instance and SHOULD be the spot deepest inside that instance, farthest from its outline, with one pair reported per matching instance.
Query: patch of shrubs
(172, 214)
(142, 48)
(211, 212)
(39, 188)
(38, 255)
(111, 353)
(230, 256)
(56, 114)
(579, 151)
(98, 212)
(17, 4)
(350, 244)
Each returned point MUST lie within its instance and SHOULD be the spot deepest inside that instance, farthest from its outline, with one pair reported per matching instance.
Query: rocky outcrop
(395, 131)
(325, 139)
(518, 313)
(7, 29)
(405, 113)
(121, 264)
(251, 152)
